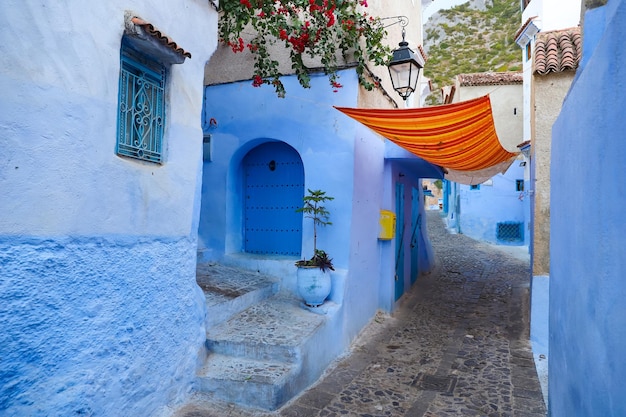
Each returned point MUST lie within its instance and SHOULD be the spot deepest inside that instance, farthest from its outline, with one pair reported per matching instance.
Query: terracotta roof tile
(422, 52)
(557, 51)
(490, 78)
(160, 36)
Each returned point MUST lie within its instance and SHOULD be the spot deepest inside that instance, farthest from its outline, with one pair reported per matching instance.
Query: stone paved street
(457, 346)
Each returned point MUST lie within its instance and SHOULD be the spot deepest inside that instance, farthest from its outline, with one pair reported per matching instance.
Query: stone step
(230, 290)
(260, 384)
(256, 358)
(274, 329)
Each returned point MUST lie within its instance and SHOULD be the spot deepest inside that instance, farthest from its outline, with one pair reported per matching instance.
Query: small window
(475, 187)
(141, 106)
(510, 232)
(529, 51)
(519, 185)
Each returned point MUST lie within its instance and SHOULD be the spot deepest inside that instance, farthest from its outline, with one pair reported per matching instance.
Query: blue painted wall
(85, 331)
(340, 156)
(483, 208)
(100, 313)
(306, 121)
(588, 232)
(452, 206)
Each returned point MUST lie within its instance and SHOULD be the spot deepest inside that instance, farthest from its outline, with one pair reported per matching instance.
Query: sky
(437, 5)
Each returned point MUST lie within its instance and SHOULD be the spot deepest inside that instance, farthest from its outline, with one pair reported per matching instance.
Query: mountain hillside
(476, 36)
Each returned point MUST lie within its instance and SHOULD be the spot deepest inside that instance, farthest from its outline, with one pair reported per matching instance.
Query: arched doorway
(273, 176)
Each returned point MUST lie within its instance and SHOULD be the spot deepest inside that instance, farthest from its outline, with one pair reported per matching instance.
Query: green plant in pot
(313, 274)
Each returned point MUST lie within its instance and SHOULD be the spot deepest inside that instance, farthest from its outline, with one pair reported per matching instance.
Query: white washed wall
(99, 310)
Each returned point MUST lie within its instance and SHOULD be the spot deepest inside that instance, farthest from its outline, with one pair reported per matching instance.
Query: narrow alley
(456, 346)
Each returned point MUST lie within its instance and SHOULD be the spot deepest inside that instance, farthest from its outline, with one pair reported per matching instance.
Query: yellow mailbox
(387, 225)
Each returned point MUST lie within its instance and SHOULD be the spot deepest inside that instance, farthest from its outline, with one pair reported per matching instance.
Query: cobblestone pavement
(457, 346)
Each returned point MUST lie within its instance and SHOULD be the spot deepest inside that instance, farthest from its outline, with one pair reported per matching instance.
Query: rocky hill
(476, 36)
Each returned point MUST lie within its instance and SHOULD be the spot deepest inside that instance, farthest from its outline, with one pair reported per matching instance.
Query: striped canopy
(459, 136)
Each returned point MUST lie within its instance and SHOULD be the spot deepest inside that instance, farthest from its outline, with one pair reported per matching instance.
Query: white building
(100, 313)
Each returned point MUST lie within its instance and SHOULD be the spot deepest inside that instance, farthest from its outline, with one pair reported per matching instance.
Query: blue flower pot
(313, 285)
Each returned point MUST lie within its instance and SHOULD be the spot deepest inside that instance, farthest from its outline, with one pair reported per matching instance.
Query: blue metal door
(415, 234)
(399, 276)
(274, 187)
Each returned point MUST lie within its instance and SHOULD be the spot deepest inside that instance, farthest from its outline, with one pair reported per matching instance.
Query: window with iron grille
(141, 107)
(510, 232)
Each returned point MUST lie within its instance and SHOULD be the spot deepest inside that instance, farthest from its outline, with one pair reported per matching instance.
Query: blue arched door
(273, 190)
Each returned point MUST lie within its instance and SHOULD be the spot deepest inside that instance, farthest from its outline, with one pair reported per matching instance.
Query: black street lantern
(404, 69)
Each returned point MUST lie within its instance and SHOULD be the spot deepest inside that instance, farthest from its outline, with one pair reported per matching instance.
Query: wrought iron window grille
(141, 109)
(510, 232)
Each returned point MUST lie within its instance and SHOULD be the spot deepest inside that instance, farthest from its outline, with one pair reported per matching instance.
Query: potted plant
(314, 274)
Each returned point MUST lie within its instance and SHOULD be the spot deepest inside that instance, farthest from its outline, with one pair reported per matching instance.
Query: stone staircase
(261, 348)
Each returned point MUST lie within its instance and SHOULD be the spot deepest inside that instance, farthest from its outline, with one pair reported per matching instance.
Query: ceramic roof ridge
(557, 50)
(491, 78)
(160, 36)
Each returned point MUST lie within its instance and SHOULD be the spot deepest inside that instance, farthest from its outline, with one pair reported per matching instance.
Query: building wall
(452, 206)
(328, 145)
(497, 199)
(548, 94)
(507, 108)
(553, 14)
(587, 285)
(549, 15)
(340, 157)
(247, 116)
(99, 310)
(227, 67)
(527, 71)
(386, 9)
(402, 167)
(543, 96)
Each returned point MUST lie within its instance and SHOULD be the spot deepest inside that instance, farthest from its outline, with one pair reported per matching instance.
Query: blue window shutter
(141, 107)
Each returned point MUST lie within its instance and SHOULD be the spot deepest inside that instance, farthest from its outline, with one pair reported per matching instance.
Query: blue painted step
(262, 357)
(230, 290)
(252, 383)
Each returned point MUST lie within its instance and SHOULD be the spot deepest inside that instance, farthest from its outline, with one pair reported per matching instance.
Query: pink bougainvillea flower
(348, 24)
(237, 46)
(331, 19)
(257, 81)
(315, 27)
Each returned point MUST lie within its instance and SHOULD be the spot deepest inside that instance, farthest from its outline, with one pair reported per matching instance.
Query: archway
(273, 186)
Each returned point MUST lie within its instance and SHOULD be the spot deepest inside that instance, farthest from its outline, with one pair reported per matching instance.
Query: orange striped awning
(460, 136)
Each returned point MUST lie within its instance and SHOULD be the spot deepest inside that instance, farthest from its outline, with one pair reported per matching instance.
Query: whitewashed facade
(100, 313)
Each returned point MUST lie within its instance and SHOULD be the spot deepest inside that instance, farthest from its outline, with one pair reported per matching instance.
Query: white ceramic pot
(313, 285)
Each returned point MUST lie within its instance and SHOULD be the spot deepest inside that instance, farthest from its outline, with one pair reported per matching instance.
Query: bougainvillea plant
(328, 30)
